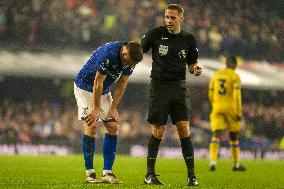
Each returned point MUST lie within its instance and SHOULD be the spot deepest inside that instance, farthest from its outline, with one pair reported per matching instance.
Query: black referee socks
(188, 154)
(153, 148)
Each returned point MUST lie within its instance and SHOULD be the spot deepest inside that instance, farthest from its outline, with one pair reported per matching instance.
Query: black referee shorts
(168, 98)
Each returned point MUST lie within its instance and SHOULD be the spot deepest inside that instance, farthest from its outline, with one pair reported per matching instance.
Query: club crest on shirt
(163, 50)
(84, 112)
(182, 54)
(105, 63)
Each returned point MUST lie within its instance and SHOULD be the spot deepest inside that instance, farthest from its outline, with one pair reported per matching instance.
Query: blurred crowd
(56, 123)
(27, 122)
(251, 29)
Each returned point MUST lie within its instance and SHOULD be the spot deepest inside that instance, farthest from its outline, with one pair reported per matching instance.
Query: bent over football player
(109, 62)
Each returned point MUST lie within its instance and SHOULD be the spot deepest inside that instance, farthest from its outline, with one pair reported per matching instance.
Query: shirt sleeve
(103, 63)
(147, 41)
(128, 71)
(193, 51)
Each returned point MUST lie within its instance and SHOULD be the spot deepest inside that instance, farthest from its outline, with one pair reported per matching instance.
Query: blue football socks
(109, 150)
(89, 146)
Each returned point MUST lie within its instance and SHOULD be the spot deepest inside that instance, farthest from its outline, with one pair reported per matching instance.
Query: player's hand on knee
(92, 118)
(113, 115)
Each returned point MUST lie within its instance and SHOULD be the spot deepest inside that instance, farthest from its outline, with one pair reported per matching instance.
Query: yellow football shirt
(225, 92)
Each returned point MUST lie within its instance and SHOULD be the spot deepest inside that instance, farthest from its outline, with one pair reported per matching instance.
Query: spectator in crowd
(251, 29)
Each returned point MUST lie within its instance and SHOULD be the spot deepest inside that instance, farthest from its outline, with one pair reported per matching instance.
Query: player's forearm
(239, 107)
(238, 100)
(118, 93)
(97, 91)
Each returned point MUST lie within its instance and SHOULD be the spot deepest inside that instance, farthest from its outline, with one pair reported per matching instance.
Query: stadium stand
(251, 29)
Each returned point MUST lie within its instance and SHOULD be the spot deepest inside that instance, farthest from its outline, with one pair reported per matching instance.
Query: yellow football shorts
(221, 121)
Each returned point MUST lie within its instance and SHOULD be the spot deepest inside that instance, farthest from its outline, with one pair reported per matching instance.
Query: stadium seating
(251, 29)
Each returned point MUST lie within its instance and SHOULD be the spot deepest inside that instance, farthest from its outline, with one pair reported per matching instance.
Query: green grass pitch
(68, 172)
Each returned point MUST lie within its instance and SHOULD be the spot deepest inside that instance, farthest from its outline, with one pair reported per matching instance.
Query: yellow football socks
(214, 149)
(235, 149)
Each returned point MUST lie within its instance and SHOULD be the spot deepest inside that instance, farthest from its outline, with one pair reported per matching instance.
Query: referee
(172, 50)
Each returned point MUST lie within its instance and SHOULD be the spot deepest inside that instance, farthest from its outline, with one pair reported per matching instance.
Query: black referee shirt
(170, 53)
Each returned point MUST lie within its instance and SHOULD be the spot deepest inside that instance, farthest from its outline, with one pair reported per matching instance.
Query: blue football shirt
(106, 60)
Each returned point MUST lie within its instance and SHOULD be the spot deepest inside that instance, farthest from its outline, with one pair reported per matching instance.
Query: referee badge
(163, 50)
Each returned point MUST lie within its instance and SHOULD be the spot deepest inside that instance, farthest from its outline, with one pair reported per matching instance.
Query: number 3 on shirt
(222, 90)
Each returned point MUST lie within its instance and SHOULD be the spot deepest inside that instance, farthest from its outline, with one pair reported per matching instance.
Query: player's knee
(234, 136)
(183, 129)
(183, 132)
(90, 131)
(158, 135)
(112, 128)
(158, 131)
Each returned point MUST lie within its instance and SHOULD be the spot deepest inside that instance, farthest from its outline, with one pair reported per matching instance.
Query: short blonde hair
(176, 7)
